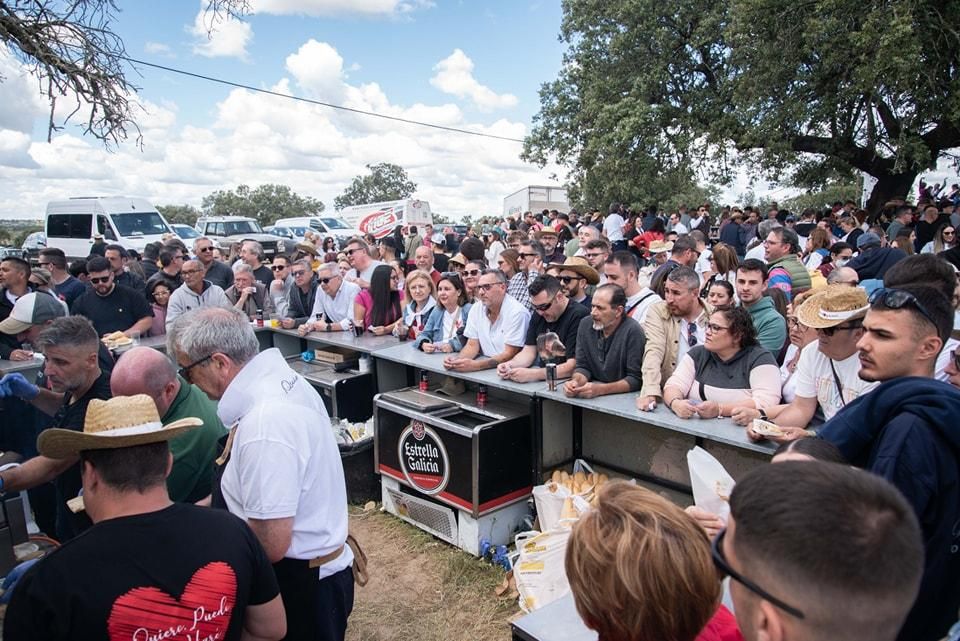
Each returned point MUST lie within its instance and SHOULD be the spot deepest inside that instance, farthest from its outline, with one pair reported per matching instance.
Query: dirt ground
(422, 588)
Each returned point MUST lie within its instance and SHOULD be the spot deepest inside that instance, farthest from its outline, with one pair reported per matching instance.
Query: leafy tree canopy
(266, 203)
(385, 181)
(803, 91)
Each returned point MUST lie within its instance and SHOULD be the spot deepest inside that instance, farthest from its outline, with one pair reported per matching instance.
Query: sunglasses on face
(720, 561)
(324, 281)
(544, 307)
(102, 279)
(277, 268)
(486, 287)
(471, 272)
(350, 252)
(299, 273)
(566, 280)
(205, 249)
(526, 256)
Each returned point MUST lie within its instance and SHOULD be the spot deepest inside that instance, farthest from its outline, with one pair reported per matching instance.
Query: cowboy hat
(123, 421)
(834, 305)
(307, 248)
(579, 265)
(546, 231)
(660, 246)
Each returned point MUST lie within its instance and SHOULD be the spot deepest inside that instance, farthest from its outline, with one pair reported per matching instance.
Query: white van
(329, 225)
(130, 222)
(380, 219)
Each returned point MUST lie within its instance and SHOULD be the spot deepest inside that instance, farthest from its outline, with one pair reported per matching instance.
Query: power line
(320, 103)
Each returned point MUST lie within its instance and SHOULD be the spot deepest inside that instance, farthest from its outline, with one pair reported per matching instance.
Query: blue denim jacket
(433, 330)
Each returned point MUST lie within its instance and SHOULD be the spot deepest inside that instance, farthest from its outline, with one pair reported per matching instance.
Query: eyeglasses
(486, 286)
(188, 272)
(184, 371)
(471, 272)
(898, 299)
(793, 323)
(546, 306)
(713, 328)
(277, 268)
(830, 331)
(324, 281)
(692, 334)
(299, 273)
(956, 359)
(102, 279)
(566, 280)
(720, 562)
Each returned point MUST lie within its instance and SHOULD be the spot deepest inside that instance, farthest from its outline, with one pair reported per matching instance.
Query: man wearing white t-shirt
(495, 330)
(613, 228)
(827, 376)
(358, 255)
(621, 269)
(283, 473)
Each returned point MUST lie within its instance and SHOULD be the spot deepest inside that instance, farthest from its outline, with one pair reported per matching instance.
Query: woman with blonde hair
(420, 301)
(723, 265)
(640, 569)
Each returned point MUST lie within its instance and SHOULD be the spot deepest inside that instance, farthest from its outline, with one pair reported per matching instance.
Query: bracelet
(670, 404)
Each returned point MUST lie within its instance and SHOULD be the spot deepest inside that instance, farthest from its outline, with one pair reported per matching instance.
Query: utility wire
(317, 102)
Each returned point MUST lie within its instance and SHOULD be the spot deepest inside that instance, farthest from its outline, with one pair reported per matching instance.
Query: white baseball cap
(31, 309)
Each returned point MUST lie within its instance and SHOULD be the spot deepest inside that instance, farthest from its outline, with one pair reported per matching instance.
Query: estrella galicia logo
(423, 458)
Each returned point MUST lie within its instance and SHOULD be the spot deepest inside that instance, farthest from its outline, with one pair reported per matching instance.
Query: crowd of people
(837, 327)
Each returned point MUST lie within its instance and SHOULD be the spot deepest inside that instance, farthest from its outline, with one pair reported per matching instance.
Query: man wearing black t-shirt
(111, 307)
(70, 346)
(149, 568)
(554, 313)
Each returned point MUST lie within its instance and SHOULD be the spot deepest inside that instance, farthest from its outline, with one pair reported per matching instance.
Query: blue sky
(475, 65)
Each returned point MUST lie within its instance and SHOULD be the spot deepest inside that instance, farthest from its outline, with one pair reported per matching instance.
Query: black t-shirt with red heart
(184, 572)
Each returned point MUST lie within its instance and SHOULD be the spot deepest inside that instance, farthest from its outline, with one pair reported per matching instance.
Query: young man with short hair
(770, 325)
(111, 307)
(819, 551)
(65, 285)
(118, 258)
(621, 269)
(14, 278)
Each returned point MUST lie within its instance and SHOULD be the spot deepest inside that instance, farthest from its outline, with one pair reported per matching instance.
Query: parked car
(226, 230)
(296, 234)
(32, 245)
(185, 232)
(10, 252)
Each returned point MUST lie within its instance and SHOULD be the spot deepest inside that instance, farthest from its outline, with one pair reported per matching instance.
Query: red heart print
(202, 613)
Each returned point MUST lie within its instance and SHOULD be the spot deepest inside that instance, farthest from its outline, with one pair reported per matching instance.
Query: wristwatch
(326, 327)
(763, 415)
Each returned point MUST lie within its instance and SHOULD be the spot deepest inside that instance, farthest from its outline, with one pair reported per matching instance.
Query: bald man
(143, 370)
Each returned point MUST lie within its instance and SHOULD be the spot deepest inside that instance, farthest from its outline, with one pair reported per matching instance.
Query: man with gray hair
(251, 253)
(496, 328)
(248, 294)
(70, 346)
(302, 296)
(578, 246)
(333, 306)
(282, 472)
(144, 370)
(757, 250)
(196, 292)
(672, 327)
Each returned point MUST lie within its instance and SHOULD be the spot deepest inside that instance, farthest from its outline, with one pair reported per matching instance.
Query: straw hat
(459, 259)
(123, 421)
(546, 231)
(579, 265)
(832, 306)
(660, 246)
(306, 248)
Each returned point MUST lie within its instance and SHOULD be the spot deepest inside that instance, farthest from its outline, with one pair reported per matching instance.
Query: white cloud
(220, 37)
(255, 139)
(158, 49)
(339, 7)
(455, 76)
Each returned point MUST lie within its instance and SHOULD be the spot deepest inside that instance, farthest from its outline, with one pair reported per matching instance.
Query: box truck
(535, 198)
(380, 219)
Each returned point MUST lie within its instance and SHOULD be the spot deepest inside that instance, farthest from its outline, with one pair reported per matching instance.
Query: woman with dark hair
(642, 241)
(719, 293)
(329, 244)
(378, 308)
(444, 329)
(398, 240)
(158, 295)
(471, 277)
(729, 370)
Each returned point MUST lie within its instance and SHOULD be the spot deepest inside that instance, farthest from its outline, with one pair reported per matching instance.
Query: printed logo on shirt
(201, 613)
(423, 458)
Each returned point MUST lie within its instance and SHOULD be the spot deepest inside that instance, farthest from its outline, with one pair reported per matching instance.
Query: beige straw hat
(832, 306)
(660, 246)
(123, 421)
(580, 266)
(459, 259)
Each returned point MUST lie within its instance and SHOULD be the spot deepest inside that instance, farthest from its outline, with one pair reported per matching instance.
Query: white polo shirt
(284, 461)
(510, 328)
(338, 309)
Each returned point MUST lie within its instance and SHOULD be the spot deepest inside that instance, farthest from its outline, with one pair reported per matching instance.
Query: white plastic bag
(539, 569)
(710, 482)
(550, 496)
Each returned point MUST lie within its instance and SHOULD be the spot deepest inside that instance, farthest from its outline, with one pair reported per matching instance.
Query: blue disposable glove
(10, 581)
(16, 385)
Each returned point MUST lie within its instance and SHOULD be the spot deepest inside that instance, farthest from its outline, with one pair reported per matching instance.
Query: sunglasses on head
(898, 299)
